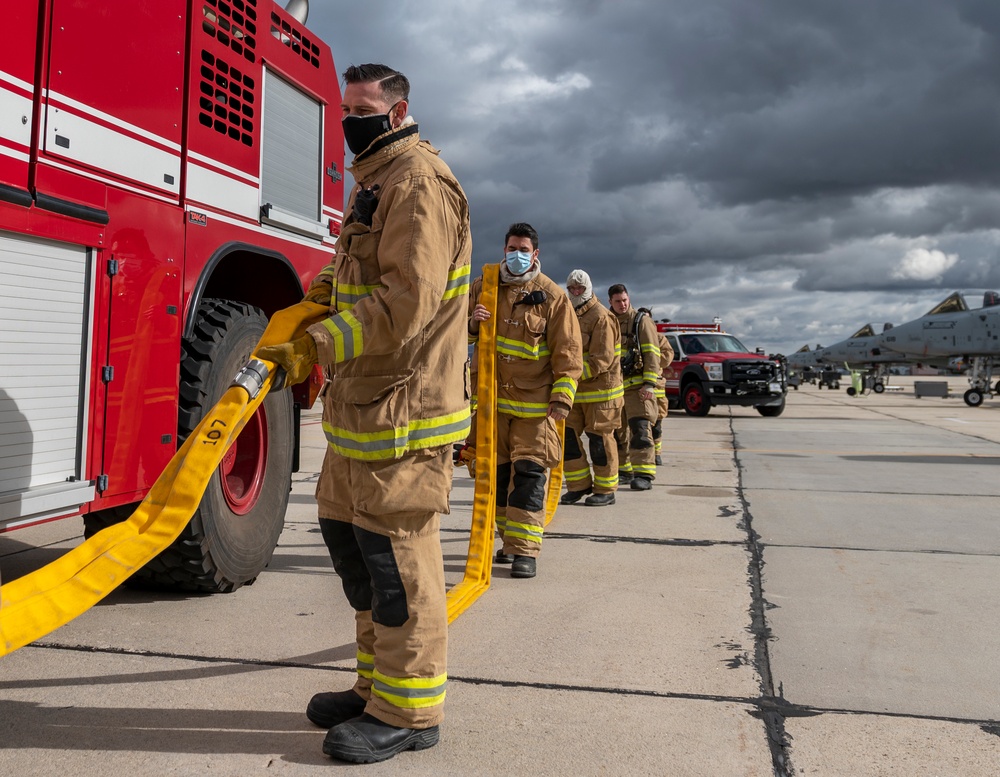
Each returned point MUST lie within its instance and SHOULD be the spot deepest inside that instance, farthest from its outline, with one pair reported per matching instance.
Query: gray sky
(797, 167)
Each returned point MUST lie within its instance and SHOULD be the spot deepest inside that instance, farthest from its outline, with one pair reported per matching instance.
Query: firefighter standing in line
(640, 371)
(660, 392)
(597, 409)
(539, 361)
(396, 342)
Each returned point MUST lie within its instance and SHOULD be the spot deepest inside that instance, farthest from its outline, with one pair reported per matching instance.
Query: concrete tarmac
(812, 594)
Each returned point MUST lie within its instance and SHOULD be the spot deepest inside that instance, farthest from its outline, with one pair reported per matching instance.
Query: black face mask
(360, 131)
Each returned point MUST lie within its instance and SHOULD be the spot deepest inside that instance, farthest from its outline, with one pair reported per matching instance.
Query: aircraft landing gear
(980, 375)
(878, 388)
(973, 397)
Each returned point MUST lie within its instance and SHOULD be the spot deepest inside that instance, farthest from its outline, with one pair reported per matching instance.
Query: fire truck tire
(771, 411)
(695, 400)
(234, 531)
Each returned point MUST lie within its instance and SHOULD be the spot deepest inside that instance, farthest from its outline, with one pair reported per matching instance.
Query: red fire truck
(170, 175)
(712, 367)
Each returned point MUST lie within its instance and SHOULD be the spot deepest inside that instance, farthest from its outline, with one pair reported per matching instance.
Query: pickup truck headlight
(714, 371)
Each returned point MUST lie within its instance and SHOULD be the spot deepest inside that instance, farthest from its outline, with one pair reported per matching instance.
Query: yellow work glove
(319, 292)
(297, 358)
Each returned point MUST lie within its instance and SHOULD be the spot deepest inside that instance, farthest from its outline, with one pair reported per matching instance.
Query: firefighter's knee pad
(657, 430)
(598, 453)
(503, 483)
(571, 447)
(388, 594)
(529, 486)
(348, 562)
(641, 437)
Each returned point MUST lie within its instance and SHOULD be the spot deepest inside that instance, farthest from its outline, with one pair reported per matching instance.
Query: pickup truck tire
(771, 411)
(233, 533)
(695, 400)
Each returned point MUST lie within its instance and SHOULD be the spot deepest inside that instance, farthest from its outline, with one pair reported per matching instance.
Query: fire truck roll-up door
(44, 334)
(292, 158)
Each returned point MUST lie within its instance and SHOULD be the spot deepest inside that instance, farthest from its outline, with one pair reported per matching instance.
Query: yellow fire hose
(42, 601)
(479, 563)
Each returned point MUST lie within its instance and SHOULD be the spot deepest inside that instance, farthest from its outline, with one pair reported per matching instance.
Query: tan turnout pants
(599, 420)
(381, 524)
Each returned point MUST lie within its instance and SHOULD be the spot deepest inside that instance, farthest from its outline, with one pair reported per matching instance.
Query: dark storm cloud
(783, 162)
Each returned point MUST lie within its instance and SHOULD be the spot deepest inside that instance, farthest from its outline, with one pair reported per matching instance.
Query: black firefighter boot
(572, 497)
(600, 500)
(367, 740)
(327, 710)
(523, 566)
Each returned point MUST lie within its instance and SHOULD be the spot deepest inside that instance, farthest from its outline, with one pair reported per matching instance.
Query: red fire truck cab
(170, 175)
(712, 367)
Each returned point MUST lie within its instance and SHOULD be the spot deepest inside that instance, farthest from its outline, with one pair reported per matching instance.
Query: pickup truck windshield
(694, 344)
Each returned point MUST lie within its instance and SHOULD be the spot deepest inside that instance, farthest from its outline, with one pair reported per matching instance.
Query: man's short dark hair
(618, 288)
(521, 229)
(393, 85)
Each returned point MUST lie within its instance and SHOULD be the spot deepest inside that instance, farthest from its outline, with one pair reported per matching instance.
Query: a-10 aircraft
(951, 329)
(861, 352)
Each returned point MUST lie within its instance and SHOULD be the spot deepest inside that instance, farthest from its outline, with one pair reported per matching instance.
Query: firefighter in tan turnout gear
(660, 392)
(640, 372)
(396, 343)
(597, 409)
(539, 361)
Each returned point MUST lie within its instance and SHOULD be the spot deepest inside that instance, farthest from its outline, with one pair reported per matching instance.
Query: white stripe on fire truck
(110, 182)
(24, 86)
(223, 191)
(223, 168)
(112, 122)
(264, 230)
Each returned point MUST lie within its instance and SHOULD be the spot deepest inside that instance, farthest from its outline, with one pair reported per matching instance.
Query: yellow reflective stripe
(633, 381)
(649, 348)
(348, 339)
(511, 347)
(458, 282)
(644, 469)
(522, 409)
(659, 445)
(525, 531)
(625, 466)
(606, 482)
(348, 295)
(564, 386)
(659, 392)
(577, 474)
(587, 373)
(618, 350)
(366, 664)
(392, 443)
(501, 521)
(410, 693)
(600, 395)
(650, 376)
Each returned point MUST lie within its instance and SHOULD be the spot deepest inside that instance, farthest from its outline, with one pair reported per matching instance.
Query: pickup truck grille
(751, 371)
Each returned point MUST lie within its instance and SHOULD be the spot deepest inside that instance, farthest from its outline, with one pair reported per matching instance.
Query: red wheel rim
(693, 399)
(242, 469)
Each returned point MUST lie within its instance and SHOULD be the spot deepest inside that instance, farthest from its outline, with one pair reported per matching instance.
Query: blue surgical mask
(518, 262)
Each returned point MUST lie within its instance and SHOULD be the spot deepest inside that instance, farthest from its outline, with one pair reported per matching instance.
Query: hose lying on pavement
(42, 601)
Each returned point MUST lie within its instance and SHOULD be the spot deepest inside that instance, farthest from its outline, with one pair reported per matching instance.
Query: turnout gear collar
(509, 279)
(385, 148)
(580, 278)
(583, 307)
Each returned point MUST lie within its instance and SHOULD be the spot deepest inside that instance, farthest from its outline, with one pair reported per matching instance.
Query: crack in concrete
(773, 712)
